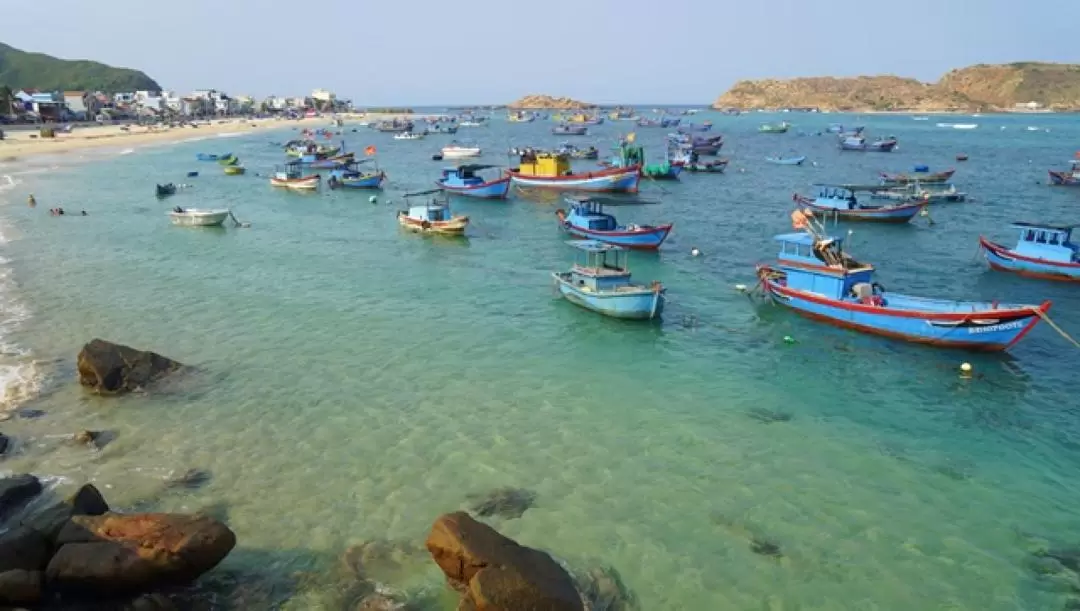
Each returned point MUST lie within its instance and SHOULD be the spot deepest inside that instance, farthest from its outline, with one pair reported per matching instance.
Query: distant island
(23, 70)
(547, 101)
(1025, 86)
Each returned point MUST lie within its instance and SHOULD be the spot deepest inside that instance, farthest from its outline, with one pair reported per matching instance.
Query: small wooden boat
(349, 176)
(552, 171)
(1042, 251)
(859, 143)
(774, 128)
(815, 277)
(165, 190)
(587, 219)
(433, 216)
(199, 217)
(716, 166)
(570, 130)
(234, 170)
(230, 160)
(292, 177)
(212, 156)
(786, 160)
(903, 179)
(602, 283)
(460, 150)
(841, 202)
(463, 180)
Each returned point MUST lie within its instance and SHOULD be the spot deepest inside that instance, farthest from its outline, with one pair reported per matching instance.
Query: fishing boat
(230, 160)
(460, 150)
(575, 153)
(778, 160)
(601, 283)
(570, 130)
(552, 171)
(709, 145)
(667, 122)
(521, 116)
(309, 150)
(841, 202)
(433, 216)
(774, 128)
(292, 177)
(716, 166)
(629, 155)
(1042, 251)
(198, 217)
(1067, 178)
(463, 180)
(587, 219)
(350, 176)
(332, 163)
(234, 170)
(409, 135)
(585, 119)
(859, 143)
(816, 278)
(212, 156)
(903, 179)
(165, 190)
(623, 114)
(691, 127)
(959, 125)
(394, 126)
(934, 193)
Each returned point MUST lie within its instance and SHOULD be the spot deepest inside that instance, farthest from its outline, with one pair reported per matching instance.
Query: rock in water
(116, 554)
(4, 442)
(494, 572)
(504, 502)
(110, 368)
(23, 549)
(19, 587)
(16, 490)
(87, 501)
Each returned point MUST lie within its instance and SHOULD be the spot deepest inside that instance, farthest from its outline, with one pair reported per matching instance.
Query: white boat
(460, 150)
(199, 217)
(1032, 128)
(921, 118)
(959, 125)
(471, 124)
(408, 136)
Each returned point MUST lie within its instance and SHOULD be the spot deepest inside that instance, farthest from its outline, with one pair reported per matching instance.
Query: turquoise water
(356, 381)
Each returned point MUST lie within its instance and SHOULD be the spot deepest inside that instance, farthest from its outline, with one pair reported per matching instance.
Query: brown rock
(110, 368)
(494, 572)
(19, 587)
(116, 554)
(534, 101)
(23, 548)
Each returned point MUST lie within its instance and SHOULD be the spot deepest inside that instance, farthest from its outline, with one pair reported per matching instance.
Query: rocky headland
(1004, 87)
(537, 101)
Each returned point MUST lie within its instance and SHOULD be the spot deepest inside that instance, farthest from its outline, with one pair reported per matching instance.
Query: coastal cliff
(981, 87)
(547, 101)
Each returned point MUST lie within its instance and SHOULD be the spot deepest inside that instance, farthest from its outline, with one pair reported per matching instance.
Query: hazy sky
(490, 51)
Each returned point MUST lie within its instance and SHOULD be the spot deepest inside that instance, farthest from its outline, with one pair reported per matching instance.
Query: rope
(1054, 326)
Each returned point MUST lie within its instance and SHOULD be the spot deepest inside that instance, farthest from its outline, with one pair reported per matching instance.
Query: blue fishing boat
(587, 219)
(1043, 251)
(350, 176)
(841, 202)
(567, 129)
(463, 180)
(816, 278)
(778, 160)
(859, 143)
(212, 156)
(601, 283)
(690, 127)
(629, 156)
(331, 163)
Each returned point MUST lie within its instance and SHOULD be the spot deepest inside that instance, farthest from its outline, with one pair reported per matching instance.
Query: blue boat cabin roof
(474, 167)
(803, 239)
(593, 246)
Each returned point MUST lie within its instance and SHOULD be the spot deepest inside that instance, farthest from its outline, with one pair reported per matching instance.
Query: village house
(82, 105)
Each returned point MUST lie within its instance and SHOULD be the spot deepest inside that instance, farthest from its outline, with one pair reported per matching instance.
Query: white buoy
(694, 252)
(373, 199)
(740, 287)
(965, 370)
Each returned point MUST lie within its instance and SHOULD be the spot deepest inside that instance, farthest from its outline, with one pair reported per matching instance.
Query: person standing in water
(30, 201)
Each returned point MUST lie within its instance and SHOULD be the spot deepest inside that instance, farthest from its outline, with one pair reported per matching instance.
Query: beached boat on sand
(1042, 251)
(433, 216)
(552, 171)
(815, 277)
(602, 283)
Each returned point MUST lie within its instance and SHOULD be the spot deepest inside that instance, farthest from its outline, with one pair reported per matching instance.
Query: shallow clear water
(357, 381)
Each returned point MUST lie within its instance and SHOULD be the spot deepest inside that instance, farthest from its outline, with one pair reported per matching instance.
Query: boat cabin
(465, 174)
(535, 163)
(818, 264)
(437, 207)
(630, 155)
(588, 212)
(1049, 242)
(603, 267)
(290, 171)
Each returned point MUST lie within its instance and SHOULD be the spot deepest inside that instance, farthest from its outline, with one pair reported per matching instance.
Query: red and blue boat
(1043, 251)
(841, 202)
(816, 278)
(552, 171)
(463, 180)
(587, 219)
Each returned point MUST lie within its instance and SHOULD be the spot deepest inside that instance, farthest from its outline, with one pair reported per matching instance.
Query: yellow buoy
(965, 370)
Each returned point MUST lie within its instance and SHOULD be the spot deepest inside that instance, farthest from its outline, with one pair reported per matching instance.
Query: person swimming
(30, 201)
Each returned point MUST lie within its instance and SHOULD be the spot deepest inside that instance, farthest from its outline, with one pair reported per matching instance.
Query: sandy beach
(23, 143)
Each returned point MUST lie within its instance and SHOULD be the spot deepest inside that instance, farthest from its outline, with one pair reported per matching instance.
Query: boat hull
(307, 183)
(617, 180)
(460, 153)
(888, 214)
(646, 238)
(873, 147)
(986, 330)
(455, 226)
(495, 189)
(1064, 179)
(786, 161)
(1005, 260)
(903, 179)
(641, 304)
(373, 181)
(214, 218)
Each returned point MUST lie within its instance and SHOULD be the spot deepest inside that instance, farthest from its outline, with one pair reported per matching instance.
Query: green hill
(22, 70)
